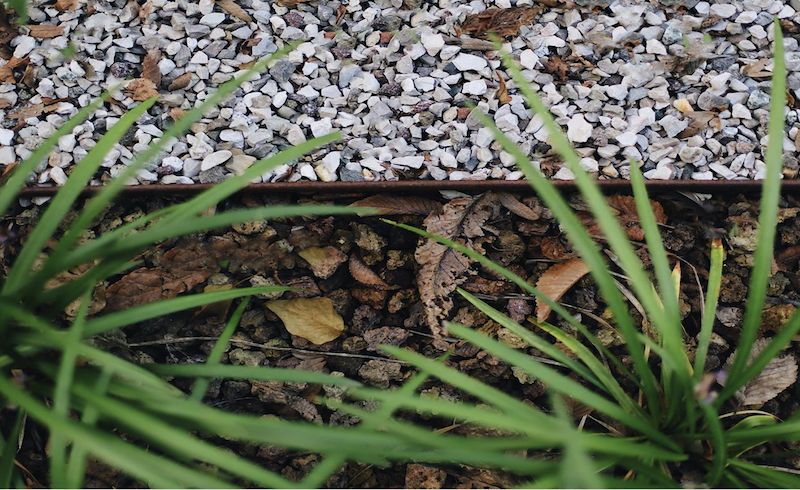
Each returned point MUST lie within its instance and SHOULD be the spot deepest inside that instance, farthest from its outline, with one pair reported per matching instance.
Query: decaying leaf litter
(362, 283)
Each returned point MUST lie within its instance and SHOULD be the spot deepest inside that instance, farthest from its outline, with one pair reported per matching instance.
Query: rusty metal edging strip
(431, 186)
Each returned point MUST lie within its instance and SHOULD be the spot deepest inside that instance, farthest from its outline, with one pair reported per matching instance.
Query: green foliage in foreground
(671, 427)
(86, 405)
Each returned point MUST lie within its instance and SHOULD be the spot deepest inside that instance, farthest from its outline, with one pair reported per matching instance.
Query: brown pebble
(386, 37)
(329, 35)
(463, 112)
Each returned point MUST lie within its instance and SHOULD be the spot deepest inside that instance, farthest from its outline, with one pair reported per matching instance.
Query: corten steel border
(750, 187)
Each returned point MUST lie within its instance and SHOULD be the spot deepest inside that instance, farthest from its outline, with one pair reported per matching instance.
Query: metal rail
(749, 187)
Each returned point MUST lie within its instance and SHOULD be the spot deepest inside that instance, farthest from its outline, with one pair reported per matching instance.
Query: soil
(368, 271)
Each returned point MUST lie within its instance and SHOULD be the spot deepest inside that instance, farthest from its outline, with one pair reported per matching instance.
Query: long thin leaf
(576, 231)
(149, 467)
(63, 200)
(100, 201)
(61, 393)
(79, 456)
(577, 468)
(709, 315)
(767, 219)
(215, 356)
(9, 450)
(248, 372)
(16, 181)
(167, 306)
(561, 383)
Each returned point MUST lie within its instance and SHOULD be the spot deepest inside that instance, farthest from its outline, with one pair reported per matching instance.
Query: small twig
(470, 43)
(180, 340)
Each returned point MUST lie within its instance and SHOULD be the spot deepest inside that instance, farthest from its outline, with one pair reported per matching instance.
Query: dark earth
(368, 270)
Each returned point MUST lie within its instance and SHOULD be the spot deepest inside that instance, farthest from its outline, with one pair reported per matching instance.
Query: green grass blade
(165, 307)
(103, 198)
(21, 8)
(562, 384)
(149, 467)
(248, 372)
(215, 356)
(763, 477)
(328, 466)
(78, 458)
(490, 395)
(575, 230)
(767, 217)
(525, 286)
(577, 468)
(709, 315)
(62, 202)
(9, 450)
(534, 340)
(598, 368)
(176, 442)
(61, 393)
(719, 443)
(17, 179)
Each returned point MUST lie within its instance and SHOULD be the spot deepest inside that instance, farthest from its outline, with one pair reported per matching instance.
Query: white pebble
(214, 159)
(466, 62)
(626, 139)
(475, 87)
(578, 130)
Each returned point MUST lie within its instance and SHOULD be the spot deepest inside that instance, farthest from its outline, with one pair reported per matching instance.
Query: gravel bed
(681, 86)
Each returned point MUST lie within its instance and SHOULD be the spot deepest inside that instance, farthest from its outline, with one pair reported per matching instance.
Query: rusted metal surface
(749, 187)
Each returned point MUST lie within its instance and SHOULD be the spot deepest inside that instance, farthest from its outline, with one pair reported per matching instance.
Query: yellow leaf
(313, 319)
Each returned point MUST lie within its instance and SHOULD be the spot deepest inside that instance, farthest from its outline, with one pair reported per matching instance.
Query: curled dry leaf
(556, 66)
(323, 261)
(502, 92)
(141, 89)
(181, 82)
(389, 204)
(145, 10)
(218, 309)
(363, 274)
(43, 31)
(556, 281)
(150, 69)
(779, 374)
(757, 69)
(515, 206)
(64, 5)
(498, 21)
(234, 9)
(442, 269)
(627, 215)
(313, 319)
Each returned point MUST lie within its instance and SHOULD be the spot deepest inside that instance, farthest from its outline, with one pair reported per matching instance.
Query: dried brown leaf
(26, 112)
(389, 204)
(627, 215)
(502, 22)
(502, 92)
(44, 31)
(28, 78)
(757, 69)
(291, 3)
(515, 206)
(141, 89)
(181, 82)
(150, 69)
(556, 66)
(148, 285)
(313, 319)
(6, 75)
(442, 269)
(556, 281)
(218, 309)
(234, 9)
(323, 261)
(779, 374)
(64, 5)
(145, 10)
(363, 274)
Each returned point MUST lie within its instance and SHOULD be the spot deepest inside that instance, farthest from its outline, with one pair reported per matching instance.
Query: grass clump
(678, 422)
